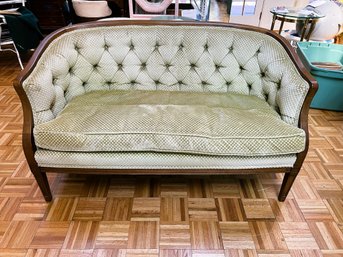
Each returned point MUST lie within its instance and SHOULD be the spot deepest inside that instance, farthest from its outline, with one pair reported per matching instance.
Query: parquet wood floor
(170, 216)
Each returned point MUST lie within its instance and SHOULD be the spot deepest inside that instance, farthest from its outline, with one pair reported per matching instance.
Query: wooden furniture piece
(52, 14)
(295, 16)
(171, 97)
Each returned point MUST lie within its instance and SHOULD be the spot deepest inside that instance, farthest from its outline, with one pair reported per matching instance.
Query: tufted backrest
(161, 57)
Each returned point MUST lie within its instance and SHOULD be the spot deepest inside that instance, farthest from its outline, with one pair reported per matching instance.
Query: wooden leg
(287, 183)
(42, 182)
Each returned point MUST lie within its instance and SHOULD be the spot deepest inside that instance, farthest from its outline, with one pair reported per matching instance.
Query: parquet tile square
(121, 187)
(176, 189)
(109, 253)
(145, 208)
(81, 235)
(335, 207)
(19, 234)
(286, 211)
(205, 235)
(200, 188)
(9, 207)
(173, 210)
(327, 235)
(314, 210)
(112, 234)
(230, 209)
(298, 235)
(31, 210)
(62, 209)
(118, 209)
(267, 235)
(50, 234)
(143, 235)
(226, 187)
(69, 185)
(328, 189)
(89, 209)
(16, 187)
(202, 209)
(252, 188)
(236, 235)
(147, 187)
(175, 236)
(96, 186)
(257, 209)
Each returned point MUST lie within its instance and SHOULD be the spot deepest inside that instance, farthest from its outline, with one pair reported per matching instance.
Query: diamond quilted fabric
(165, 58)
(170, 121)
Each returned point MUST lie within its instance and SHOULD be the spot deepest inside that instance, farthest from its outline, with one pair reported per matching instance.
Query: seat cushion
(163, 121)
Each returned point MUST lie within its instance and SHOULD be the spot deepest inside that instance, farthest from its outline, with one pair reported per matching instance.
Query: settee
(153, 97)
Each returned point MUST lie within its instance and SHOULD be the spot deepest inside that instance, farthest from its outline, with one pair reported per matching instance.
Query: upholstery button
(180, 82)
(263, 74)
(230, 49)
(133, 82)
(228, 83)
(167, 65)
(132, 47)
(120, 66)
(157, 82)
(106, 47)
(83, 83)
(206, 46)
(203, 83)
(249, 86)
(157, 46)
(181, 46)
(95, 66)
(193, 65)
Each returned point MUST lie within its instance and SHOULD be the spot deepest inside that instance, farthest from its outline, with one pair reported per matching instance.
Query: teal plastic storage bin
(330, 93)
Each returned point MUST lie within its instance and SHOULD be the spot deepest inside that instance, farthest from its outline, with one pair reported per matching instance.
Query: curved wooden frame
(40, 172)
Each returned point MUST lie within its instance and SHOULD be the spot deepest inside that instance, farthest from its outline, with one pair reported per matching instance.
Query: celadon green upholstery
(139, 96)
(169, 121)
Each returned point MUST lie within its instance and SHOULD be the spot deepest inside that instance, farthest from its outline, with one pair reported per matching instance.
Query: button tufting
(143, 65)
(230, 49)
(157, 46)
(249, 86)
(203, 83)
(106, 47)
(228, 83)
(167, 65)
(95, 66)
(181, 46)
(180, 82)
(120, 66)
(193, 65)
(206, 46)
(157, 82)
(83, 83)
(132, 47)
(263, 74)
(133, 82)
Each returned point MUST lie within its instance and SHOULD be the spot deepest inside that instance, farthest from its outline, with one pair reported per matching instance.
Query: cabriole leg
(42, 182)
(287, 183)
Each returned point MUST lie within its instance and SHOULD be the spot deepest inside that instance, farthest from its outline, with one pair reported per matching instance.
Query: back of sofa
(164, 57)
